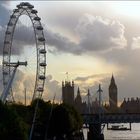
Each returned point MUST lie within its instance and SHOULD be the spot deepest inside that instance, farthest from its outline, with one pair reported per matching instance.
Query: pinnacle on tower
(112, 82)
(88, 93)
(78, 91)
(62, 83)
(112, 79)
(100, 90)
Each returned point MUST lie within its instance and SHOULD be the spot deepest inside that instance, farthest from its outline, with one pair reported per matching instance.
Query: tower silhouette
(78, 101)
(113, 93)
(68, 92)
(78, 98)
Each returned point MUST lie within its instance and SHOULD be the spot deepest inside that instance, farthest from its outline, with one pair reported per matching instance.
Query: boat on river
(118, 127)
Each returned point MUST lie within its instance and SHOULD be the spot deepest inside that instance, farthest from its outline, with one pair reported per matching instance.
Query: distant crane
(25, 96)
(100, 100)
(88, 95)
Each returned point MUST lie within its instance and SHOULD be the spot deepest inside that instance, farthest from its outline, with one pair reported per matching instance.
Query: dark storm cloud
(59, 43)
(22, 37)
(95, 33)
(4, 18)
(4, 13)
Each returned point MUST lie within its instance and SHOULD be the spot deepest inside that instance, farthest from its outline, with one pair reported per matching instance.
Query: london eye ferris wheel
(34, 57)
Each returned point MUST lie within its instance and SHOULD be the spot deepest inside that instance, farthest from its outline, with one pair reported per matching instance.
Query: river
(134, 134)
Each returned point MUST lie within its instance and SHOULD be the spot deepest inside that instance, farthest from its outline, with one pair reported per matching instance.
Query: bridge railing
(111, 118)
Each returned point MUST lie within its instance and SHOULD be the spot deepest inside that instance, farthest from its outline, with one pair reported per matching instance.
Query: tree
(11, 125)
(64, 122)
(42, 118)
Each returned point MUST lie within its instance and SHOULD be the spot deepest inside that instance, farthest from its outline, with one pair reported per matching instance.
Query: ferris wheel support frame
(6, 90)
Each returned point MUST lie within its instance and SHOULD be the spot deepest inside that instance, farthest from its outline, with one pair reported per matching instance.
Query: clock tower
(113, 93)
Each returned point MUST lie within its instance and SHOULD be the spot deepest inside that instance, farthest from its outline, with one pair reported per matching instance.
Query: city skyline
(89, 40)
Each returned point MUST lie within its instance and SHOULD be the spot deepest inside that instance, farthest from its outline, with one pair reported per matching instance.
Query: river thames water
(134, 134)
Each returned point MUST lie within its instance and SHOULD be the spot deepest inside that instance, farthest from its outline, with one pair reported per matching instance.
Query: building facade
(130, 105)
(89, 106)
(68, 92)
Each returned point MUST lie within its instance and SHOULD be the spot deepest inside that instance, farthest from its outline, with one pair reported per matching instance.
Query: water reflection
(134, 134)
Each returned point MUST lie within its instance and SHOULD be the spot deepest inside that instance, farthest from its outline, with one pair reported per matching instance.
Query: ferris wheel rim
(25, 8)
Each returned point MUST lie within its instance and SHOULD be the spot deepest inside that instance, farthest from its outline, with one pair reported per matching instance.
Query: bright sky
(91, 40)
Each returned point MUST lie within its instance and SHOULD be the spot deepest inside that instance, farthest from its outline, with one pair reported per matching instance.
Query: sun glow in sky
(77, 66)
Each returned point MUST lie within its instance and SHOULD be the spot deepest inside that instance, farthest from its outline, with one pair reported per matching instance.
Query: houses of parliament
(127, 106)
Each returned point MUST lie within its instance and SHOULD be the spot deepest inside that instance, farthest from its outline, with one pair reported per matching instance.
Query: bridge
(111, 118)
(96, 122)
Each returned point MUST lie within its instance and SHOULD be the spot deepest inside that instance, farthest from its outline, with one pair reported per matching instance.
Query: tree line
(53, 121)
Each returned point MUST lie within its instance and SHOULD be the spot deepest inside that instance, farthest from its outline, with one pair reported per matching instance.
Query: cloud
(23, 35)
(59, 43)
(4, 17)
(23, 80)
(94, 33)
(92, 82)
(99, 34)
(81, 79)
(52, 88)
(4, 13)
(136, 43)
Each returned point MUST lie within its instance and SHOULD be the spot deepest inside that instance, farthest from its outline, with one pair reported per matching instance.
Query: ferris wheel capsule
(19, 6)
(39, 28)
(34, 11)
(42, 39)
(4, 72)
(6, 42)
(40, 89)
(43, 51)
(27, 4)
(8, 32)
(12, 16)
(30, 6)
(5, 52)
(10, 24)
(43, 64)
(22, 4)
(16, 10)
(42, 77)
(37, 18)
